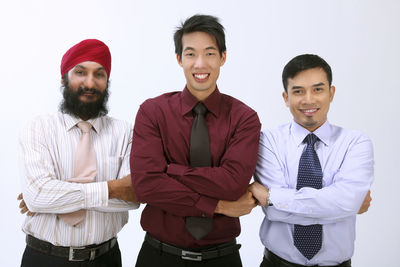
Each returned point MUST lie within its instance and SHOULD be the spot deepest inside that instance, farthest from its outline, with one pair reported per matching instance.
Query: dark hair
(73, 106)
(200, 23)
(305, 62)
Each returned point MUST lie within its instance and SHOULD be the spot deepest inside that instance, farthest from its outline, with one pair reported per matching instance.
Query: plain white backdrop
(360, 40)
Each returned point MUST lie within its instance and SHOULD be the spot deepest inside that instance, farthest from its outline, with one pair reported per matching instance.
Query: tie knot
(311, 139)
(200, 109)
(84, 126)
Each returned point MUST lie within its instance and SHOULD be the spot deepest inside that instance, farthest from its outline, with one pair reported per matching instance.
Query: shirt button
(203, 215)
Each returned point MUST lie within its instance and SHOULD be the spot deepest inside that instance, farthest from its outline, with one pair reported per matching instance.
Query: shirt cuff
(96, 195)
(176, 169)
(281, 197)
(206, 206)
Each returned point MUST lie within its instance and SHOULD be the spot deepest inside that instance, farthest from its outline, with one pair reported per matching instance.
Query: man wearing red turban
(76, 215)
(87, 50)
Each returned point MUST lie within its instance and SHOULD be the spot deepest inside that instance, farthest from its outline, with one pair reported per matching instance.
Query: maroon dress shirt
(162, 176)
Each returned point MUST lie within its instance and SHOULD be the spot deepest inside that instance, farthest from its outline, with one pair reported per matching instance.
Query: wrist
(220, 207)
(269, 202)
(112, 193)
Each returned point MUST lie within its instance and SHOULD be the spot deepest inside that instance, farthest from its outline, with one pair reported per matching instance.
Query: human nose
(199, 63)
(89, 81)
(308, 98)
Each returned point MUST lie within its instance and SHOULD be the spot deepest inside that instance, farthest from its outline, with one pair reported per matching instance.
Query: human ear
(285, 98)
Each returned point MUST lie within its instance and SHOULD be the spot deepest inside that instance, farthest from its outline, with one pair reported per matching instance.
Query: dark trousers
(275, 261)
(34, 258)
(152, 257)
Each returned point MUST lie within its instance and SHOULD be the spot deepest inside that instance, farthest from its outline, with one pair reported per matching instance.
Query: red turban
(87, 50)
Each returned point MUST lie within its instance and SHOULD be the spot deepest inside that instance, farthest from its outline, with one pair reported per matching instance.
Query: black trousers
(152, 257)
(34, 258)
(278, 263)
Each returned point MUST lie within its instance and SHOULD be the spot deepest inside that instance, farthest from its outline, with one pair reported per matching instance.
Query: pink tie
(85, 170)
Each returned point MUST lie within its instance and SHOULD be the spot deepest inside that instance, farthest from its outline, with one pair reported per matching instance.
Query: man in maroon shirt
(161, 169)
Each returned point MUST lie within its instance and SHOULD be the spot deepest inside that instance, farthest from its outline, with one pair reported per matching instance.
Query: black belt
(71, 253)
(203, 254)
(276, 259)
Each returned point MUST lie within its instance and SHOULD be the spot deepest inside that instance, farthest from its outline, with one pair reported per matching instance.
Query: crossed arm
(346, 195)
(261, 193)
(44, 193)
(242, 206)
(186, 191)
(117, 189)
(213, 197)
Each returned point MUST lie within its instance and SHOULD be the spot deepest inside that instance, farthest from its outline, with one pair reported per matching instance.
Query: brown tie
(200, 156)
(84, 172)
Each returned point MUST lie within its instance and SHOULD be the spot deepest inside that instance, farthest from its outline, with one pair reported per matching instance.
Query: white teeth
(201, 76)
(309, 110)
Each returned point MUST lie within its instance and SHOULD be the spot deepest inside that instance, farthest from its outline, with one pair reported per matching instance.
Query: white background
(360, 40)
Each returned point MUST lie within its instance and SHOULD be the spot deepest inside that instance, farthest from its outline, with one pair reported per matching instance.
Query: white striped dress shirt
(48, 147)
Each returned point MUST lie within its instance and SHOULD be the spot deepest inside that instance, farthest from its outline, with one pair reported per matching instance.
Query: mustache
(84, 90)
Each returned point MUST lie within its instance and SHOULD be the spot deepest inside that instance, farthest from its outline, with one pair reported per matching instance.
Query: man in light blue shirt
(344, 159)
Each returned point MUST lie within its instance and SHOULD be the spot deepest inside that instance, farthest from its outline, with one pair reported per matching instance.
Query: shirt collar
(299, 132)
(72, 121)
(212, 102)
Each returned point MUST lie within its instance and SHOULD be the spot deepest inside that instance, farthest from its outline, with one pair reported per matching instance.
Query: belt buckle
(192, 256)
(71, 253)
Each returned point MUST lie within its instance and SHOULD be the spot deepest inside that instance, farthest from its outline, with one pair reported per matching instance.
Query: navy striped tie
(308, 239)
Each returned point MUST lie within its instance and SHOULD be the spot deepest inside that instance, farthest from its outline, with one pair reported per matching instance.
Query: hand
(237, 208)
(260, 192)
(367, 202)
(122, 189)
(23, 207)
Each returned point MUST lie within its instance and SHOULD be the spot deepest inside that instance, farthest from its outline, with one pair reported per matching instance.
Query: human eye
(318, 89)
(78, 72)
(100, 74)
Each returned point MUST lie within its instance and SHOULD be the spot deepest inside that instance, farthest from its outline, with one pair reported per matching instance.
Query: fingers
(366, 203)
(28, 213)
(251, 186)
(260, 193)
(22, 204)
(23, 207)
(24, 210)
(248, 202)
(252, 201)
(369, 196)
(363, 209)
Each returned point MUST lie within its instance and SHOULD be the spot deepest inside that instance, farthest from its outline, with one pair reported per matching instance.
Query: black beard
(86, 110)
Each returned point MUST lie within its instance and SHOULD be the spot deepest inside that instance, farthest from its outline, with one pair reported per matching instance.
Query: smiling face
(90, 76)
(308, 98)
(85, 91)
(201, 62)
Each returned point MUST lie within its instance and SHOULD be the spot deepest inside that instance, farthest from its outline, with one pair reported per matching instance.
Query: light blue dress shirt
(346, 159)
